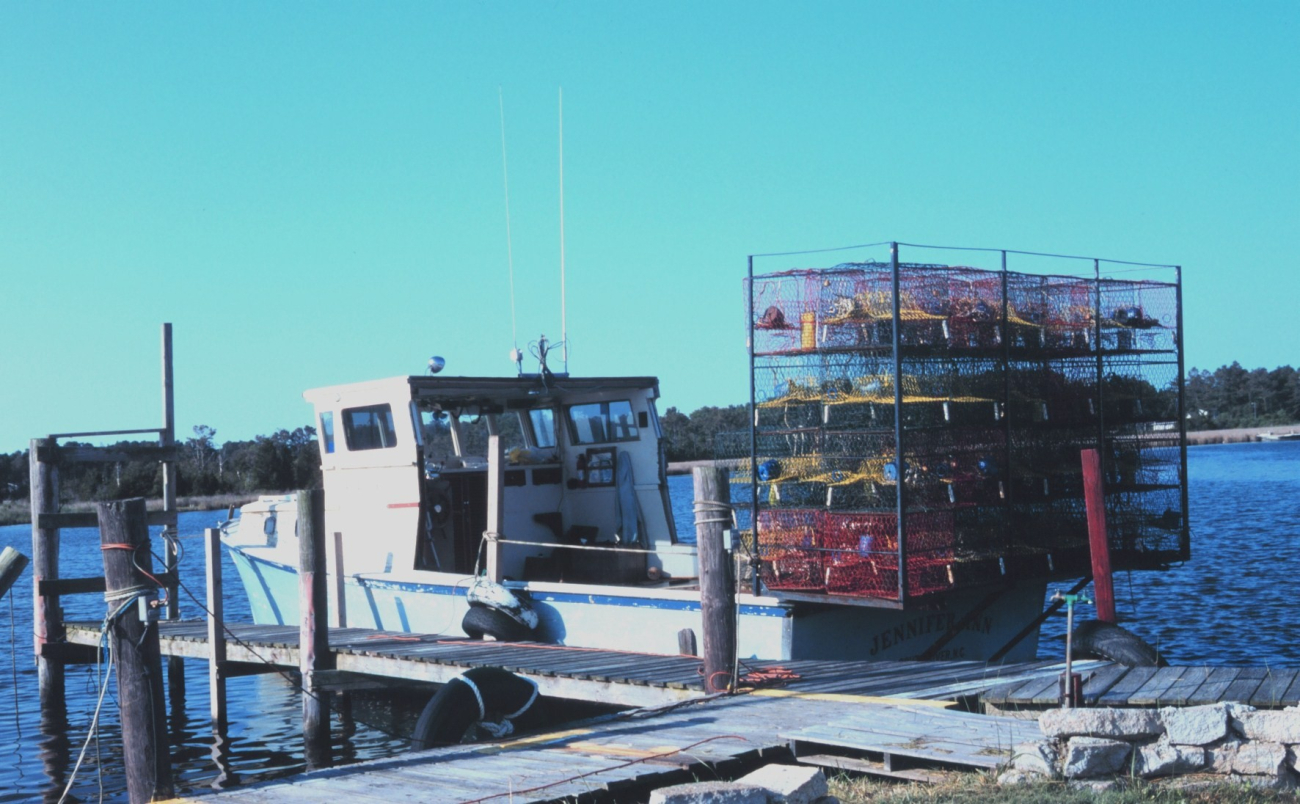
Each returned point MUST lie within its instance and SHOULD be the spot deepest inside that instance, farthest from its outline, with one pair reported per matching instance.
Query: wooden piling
(12, 564)
(47, 618)
(495, 504)
(1103, 586)
(216, 629)
(167, 439)
(124, 537)
(313, 634)
(717, 589)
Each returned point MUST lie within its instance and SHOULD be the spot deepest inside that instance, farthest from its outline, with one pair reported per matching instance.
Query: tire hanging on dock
(1095, 639)
(497, 698)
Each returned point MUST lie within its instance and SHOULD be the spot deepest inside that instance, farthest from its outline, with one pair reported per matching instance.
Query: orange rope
(131, 547)
(536, 646)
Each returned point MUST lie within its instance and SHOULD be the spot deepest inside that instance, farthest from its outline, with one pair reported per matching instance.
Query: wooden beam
(89, 519)
(119, 454)
(82, 586)
(12, 564)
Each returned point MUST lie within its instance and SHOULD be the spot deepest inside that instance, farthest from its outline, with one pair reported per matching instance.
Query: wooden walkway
(1116, 685)
(698, 740)
(365, 656)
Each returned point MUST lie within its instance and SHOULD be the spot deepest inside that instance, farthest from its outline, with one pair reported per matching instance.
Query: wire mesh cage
(918, 427)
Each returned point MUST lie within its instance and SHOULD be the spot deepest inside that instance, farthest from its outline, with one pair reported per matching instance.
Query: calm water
(1231, 604)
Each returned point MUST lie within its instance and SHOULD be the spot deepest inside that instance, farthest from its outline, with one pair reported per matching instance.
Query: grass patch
(975, 788)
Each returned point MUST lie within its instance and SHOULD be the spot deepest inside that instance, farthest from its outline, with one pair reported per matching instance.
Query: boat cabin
(531, 478)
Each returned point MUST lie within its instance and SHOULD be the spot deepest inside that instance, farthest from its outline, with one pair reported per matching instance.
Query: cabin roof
(528, 386)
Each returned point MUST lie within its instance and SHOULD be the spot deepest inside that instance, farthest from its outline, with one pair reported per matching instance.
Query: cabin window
(603, 422)
(543, 420)
(327, 431)
(369, 427)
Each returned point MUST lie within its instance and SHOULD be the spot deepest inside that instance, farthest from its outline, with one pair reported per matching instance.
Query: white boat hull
(648, 620)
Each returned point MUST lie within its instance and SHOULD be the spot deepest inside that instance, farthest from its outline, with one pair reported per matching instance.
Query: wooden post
(495, 507)
(12, 564)
(717, 591)
(123, 529)
(340, 588)
(313, 634)
(167, 438)
(47, 617)
(1103, 586)
(216, 629)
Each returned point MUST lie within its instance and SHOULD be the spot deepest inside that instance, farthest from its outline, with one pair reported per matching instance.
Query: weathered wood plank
(1180, 691)
(1273, 690)
(1097, 684)
(1132, 681)
(1212, 690)
(1149, 694)
(1247, 681)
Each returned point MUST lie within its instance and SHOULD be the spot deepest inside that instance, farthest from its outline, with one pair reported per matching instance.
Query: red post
(1103, 587)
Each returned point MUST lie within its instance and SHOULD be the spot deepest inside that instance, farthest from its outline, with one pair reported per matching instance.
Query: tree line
(1231, 396)
(283, 461)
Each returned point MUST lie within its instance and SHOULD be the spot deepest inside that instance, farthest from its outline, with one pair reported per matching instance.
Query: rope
(478, 696)
(129, 591)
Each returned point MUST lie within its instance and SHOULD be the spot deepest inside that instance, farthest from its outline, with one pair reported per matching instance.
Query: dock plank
(1178, 693)
(1244, 686)
(1132, 681)
(1272, 692)
(1214, 687)
(1149, 694)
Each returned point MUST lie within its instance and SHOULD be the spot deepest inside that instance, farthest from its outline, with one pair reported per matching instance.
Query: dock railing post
(47, 617)
(216, 629)
(1103, 586)
(717, 589)
(313, 634)
(124, 539)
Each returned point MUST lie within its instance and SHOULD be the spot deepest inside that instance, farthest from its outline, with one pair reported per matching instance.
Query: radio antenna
(510, 256)
(564, 325)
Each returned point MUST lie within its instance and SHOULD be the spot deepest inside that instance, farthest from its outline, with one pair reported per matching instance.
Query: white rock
(1271, 726)
(1094, 756)
(789, 784)
(1163, 758)
(710, 793)
(1094, 785)
(1124, 723)
(1039, 757)
(1237, 711)
(1260, 759)
(1219, 758)
(1195, 725)
(1013, 777)
(1261, 782)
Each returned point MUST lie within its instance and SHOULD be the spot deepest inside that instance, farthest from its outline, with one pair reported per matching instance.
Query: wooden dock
(1116, 685)
(364, 657)
(625, 755)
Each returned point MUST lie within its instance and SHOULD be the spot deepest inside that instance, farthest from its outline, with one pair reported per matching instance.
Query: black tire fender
(483, 621)
(1095, 639)
(477, 694)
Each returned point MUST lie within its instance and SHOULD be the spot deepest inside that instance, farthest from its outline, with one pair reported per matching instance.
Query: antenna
(515, 354)
(564, 327)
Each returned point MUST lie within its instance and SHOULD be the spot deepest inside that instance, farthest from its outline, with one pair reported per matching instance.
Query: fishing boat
(875, 518)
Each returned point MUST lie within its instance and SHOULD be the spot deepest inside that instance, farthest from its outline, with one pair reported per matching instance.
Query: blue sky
(312, 193)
